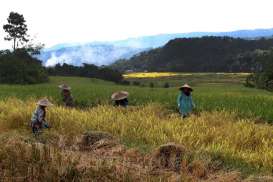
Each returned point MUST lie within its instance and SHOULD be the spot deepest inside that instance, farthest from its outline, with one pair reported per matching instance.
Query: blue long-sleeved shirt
(185, 104)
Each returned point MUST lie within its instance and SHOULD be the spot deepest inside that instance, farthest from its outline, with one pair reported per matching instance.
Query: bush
(20, 68)
(250, 81)
(263, 76)
(270, 85)
(166, 85)
(152, 85)
(125, 82)
(136, 83)
(87, 70)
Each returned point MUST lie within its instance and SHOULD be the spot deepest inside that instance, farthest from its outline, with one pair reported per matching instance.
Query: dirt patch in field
(225, 177)
(259, 179)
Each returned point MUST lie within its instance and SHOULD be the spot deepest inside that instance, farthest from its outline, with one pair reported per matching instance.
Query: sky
(78, 21)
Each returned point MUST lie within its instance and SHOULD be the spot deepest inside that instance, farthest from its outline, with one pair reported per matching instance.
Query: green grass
(232, 97)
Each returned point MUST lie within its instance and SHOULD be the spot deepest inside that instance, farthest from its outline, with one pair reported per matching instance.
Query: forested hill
(206, 54)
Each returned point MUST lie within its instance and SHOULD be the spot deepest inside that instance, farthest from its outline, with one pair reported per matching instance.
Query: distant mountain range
(205, 54)
(105, 53)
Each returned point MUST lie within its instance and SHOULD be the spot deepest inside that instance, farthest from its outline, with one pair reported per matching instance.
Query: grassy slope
(89, 92)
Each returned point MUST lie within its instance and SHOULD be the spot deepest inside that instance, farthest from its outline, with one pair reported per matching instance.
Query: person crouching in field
(120, 98)
(66, 95)
(184, 101)
(38, 121)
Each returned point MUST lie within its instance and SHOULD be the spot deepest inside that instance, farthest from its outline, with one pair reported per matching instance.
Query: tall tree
(16, 29)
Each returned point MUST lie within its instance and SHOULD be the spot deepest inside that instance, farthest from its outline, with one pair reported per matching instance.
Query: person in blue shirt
(184, 101)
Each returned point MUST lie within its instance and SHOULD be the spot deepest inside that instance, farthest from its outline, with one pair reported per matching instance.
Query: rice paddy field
(216, 94)
(175, 79)
(228, 138)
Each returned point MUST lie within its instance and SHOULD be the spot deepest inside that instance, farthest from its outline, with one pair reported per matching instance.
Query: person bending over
(120, 98)
(38, 120)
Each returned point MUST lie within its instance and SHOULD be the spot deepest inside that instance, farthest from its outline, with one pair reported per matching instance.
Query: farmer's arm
(193, 104)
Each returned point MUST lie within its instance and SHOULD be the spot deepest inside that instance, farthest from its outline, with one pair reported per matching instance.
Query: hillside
(206, 54)
(105, 53)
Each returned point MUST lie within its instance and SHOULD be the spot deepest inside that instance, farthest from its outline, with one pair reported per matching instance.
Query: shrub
(166, 85)
(87, 70)
(125, 82)
(136, 83)
(20, 68)
(263, 76)
(250, 81)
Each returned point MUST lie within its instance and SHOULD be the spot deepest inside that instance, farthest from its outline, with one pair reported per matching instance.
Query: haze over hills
(98, 54)
(106, 53)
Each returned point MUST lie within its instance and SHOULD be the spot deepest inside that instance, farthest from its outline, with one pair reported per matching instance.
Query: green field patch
(245, 102)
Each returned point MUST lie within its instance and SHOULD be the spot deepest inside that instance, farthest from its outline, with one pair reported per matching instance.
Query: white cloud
(98, 55)
(53, 60)
(87, 20)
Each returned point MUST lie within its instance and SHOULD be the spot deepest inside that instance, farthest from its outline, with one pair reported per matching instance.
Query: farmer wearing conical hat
(38, 120)
(66, 95)
(120, 98)
(184, 100)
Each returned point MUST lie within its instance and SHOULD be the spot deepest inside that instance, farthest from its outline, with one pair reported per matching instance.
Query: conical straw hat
(186, 86)
(120, 95)
(64, 87)
(44, 102)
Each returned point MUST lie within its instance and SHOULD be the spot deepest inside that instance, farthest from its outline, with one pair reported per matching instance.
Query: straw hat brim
(64, 87)
(185, 86)
(44, 103)
(119, 95)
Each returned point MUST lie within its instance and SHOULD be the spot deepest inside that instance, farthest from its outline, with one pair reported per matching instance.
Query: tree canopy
(19, 67)
(87, 70)
(206, 54)
(262, 76)
(16, 29)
